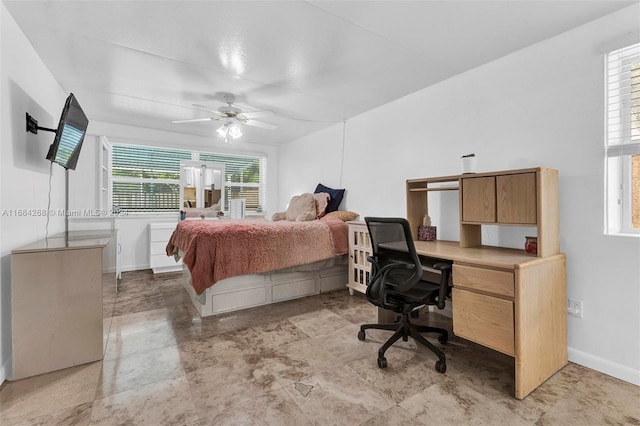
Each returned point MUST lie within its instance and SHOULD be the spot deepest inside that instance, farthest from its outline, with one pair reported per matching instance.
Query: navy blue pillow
(336, 197)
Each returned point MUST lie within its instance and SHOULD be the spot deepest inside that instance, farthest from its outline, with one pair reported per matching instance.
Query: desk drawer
(483, 319)
(483, 279)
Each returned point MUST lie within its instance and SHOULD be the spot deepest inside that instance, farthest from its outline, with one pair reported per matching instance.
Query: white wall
(541, 106)
(26, 85)
(134, 236)
(4, 299)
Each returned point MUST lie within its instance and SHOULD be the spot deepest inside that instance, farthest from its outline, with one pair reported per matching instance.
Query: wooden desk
(510, 301)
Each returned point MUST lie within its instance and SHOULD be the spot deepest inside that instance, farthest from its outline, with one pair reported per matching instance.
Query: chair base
(403, 329)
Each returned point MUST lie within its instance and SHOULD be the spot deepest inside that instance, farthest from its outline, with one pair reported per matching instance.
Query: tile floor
(293, 363)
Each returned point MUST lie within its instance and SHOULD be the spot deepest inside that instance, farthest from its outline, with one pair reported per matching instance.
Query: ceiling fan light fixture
(234, 131)
(222, 131)
(229, 128)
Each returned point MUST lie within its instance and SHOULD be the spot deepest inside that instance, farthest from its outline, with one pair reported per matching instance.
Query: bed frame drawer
(247, 291)
(240, 299)
(293, 290)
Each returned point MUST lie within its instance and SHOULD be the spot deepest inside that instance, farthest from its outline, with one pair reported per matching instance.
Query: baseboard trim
(130, 268)
(604, 366)
(4, 370)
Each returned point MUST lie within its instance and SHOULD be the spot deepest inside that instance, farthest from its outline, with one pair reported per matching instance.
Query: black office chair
(396, 283)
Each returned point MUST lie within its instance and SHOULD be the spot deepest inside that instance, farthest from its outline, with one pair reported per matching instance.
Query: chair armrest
(373, 275)
(375, 268)
(445, 270)
(378, 273)
(442, 265)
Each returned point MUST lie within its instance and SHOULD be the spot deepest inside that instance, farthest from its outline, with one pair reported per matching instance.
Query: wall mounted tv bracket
(32, 125)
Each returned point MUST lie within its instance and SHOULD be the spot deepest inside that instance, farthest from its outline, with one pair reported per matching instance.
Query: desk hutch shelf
(523, 197)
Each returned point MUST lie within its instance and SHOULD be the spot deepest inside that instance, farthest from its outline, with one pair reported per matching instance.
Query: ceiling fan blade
(255, 114)
(192, 120)
(206, 108)
(262, 124)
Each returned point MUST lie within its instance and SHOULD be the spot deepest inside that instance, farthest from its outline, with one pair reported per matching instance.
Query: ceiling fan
(232, 116)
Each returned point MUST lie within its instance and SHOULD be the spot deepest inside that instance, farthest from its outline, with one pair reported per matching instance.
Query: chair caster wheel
(443, 339)
(361, 335)
(441, 366)
(382, 362)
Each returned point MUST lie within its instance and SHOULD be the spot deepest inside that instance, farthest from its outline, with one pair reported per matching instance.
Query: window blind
(623, 100)
(146, 179)
(147, 162)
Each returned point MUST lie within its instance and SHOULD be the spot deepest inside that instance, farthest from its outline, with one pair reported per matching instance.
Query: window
(623, 141)
(245, 177)
(147, 179)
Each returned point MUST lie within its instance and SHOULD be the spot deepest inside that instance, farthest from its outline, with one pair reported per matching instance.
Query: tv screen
(65, 148)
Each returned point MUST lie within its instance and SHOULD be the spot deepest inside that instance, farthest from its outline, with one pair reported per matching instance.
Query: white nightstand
(359, 249)
(159, 234)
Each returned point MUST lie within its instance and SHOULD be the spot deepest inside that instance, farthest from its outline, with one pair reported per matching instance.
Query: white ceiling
(146, 63)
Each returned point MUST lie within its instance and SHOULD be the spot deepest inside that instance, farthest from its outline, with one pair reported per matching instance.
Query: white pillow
(302, 208)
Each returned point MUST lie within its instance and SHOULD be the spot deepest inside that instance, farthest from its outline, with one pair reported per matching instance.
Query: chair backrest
(397, 233)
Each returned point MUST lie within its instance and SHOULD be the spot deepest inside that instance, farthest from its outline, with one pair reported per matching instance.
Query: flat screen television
(67, 143)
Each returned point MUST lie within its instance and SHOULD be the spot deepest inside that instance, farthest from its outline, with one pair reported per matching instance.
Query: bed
(235, 264)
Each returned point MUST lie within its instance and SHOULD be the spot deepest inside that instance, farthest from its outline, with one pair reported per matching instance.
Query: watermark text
(60, 213)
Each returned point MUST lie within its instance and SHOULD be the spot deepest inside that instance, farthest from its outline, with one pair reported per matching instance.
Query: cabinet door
(479, 199)
(359, 249)
(516, 198)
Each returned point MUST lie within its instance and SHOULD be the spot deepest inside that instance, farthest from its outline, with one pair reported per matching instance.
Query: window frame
(620, 149)
(195, 155)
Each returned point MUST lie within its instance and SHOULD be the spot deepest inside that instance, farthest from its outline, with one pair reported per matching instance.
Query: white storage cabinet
(159, 234)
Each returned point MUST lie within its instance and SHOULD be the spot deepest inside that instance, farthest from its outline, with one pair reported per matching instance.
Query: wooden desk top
(497, 257)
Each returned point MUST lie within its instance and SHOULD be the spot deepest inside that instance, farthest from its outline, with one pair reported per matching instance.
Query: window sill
(623, 234)
(149, 215)
(172, 215)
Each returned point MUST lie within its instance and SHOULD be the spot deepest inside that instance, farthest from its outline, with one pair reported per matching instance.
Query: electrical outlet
(574, 307)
